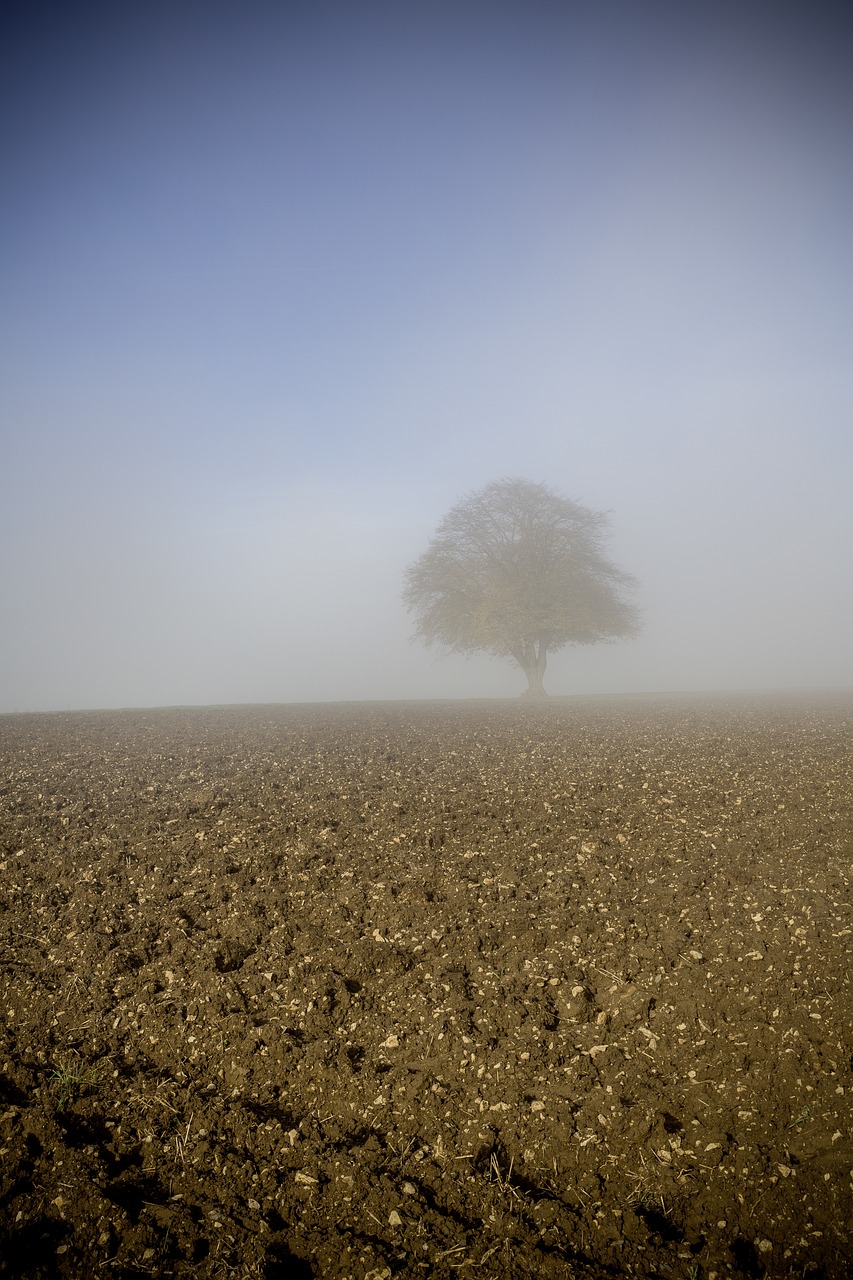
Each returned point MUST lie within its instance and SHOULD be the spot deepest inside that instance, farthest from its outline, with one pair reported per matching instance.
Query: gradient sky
(282, 282)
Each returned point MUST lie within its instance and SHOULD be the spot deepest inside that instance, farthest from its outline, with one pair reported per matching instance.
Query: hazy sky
(281, 282)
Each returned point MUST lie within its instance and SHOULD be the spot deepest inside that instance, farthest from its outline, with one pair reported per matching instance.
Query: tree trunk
(534, 669)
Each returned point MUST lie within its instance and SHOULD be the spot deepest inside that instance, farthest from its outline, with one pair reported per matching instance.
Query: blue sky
(281, 282)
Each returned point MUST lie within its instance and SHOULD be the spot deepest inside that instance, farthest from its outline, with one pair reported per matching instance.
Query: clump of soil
(445, 990)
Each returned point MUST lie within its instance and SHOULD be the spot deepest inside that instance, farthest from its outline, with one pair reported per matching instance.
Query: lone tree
(518, 571)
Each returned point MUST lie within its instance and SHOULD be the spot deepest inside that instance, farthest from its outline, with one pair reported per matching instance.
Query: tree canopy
(518, 571)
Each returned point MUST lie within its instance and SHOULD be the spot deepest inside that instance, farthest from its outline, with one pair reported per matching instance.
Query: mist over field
(281, 284)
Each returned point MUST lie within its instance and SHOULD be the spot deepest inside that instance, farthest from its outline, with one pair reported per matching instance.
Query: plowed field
(428, 990)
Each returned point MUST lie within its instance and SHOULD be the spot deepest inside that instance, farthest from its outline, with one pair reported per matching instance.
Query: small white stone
(537, 1106)
(395, 1219)
(764, 1246)
(409, 1189)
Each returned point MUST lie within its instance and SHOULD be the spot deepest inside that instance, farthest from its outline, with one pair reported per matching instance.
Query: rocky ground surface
(428, 990)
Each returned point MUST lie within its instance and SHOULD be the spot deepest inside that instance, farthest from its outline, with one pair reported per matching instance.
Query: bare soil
(428, 990)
